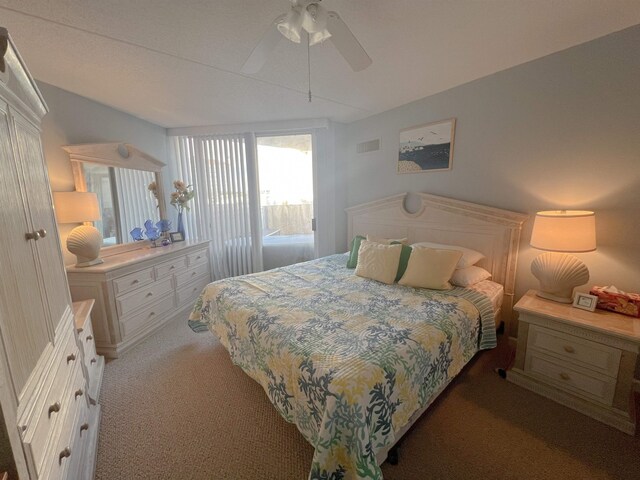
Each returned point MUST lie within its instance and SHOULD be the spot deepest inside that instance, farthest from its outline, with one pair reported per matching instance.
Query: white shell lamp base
(85, 242)
(559, 274)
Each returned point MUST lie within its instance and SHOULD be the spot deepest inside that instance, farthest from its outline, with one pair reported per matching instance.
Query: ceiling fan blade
(347, 44)
(261, 52)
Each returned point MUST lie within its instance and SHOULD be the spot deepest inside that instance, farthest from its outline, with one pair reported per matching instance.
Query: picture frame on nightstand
(585, 301)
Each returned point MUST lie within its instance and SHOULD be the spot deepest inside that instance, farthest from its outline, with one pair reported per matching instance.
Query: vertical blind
(135, 202)
(222, 170)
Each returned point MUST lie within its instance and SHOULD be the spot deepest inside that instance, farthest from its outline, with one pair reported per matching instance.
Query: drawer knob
(135, 281)
(80, 330)
(89, 338)
(569, 349)
(93, 360)
(55, 408)
(564, 376)
(198, 257)
(32, 235)
(83, 427)
(64, 454)
(149, 294)
(71, 357)
(78, 393)
(193, 274)
(172, 267)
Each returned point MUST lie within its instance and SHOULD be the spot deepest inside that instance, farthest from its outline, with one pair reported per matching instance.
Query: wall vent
(370, 146)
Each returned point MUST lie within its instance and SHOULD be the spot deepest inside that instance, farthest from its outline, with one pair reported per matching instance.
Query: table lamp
(83, 241)
(559, 232)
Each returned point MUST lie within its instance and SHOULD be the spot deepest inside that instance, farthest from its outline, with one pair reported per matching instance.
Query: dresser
(51, 423)
(136, 292)
(585, 360)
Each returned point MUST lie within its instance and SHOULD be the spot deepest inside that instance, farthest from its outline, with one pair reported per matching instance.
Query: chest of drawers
(584, 360)
(138, 291)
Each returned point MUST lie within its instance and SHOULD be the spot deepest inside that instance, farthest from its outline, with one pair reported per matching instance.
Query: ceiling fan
(320, 25)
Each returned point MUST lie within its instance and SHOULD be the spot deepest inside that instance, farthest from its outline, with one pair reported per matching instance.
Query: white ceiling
(177, 63)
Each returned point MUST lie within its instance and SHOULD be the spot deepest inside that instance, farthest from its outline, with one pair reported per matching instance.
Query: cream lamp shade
(564, 231)
(559, 232)
(83, 241)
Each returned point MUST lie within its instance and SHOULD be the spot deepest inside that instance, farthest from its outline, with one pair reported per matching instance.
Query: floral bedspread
(347, 359)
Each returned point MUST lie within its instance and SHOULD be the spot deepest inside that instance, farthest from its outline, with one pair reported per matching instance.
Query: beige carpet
(175, 407)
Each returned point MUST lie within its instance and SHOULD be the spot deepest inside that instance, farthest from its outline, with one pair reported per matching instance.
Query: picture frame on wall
(427, 148)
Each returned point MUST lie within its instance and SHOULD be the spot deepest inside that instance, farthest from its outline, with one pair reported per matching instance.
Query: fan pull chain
(309, 62)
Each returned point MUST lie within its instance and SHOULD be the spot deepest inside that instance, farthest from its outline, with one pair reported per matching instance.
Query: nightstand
(584, 360)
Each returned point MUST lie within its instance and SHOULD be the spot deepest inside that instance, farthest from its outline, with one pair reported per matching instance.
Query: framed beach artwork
(427, 148)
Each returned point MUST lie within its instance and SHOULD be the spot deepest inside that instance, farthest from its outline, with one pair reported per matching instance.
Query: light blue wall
(74, 119)
(562, 131)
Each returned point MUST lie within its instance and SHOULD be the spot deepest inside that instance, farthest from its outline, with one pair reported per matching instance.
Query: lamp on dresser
(84, 241)
(561, 232)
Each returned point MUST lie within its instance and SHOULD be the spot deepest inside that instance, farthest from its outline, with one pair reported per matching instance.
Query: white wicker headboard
(492, 231)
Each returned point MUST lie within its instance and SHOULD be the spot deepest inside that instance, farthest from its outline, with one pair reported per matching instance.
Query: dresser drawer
(585, 353)
(186, 278)
(128, 304)
(87, 341)
(196, 258)
(38, 433)
(59, 404)
(190, 293)
(176, 265)
(64, 458)
(147, 316)
(132, 281)
(576, 380)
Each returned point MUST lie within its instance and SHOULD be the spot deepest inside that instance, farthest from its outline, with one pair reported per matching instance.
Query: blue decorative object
(136, 234)
(164, 226)
(181, 225)
(151, 231)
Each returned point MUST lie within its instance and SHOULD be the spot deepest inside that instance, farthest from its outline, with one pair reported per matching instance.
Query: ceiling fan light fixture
(318, 37)
(291, 26)
(314, 18)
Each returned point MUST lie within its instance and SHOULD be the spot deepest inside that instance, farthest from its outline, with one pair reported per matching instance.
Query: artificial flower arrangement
(182, 195)
(153, 188)
(179, 199)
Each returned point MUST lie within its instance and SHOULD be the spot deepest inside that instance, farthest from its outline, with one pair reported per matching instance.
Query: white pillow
(465, 277)
(378, 262)
(469, 257)
(386, 241)
(430, 268)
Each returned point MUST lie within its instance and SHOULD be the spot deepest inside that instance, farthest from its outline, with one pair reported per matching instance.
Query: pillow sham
(353, 251)
(378, 262)
(465, 277)
(404, 259)
(469, 257)
(430, 268)
(386, 241)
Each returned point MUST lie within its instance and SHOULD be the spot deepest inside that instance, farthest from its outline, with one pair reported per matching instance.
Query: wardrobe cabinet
(50, 420)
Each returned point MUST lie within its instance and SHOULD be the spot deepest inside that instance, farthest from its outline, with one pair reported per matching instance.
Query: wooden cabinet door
(22, 312)
(40, 206)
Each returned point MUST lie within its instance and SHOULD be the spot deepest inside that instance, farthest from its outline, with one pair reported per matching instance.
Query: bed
(354, 362)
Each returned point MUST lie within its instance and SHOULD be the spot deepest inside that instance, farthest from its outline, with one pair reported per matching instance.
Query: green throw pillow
(404, 260)
(353, 254)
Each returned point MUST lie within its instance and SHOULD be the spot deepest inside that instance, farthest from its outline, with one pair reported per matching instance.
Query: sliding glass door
(285, 172)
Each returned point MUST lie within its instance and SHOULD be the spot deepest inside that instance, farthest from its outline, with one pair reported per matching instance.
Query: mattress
(492, 290)
(348, 360)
